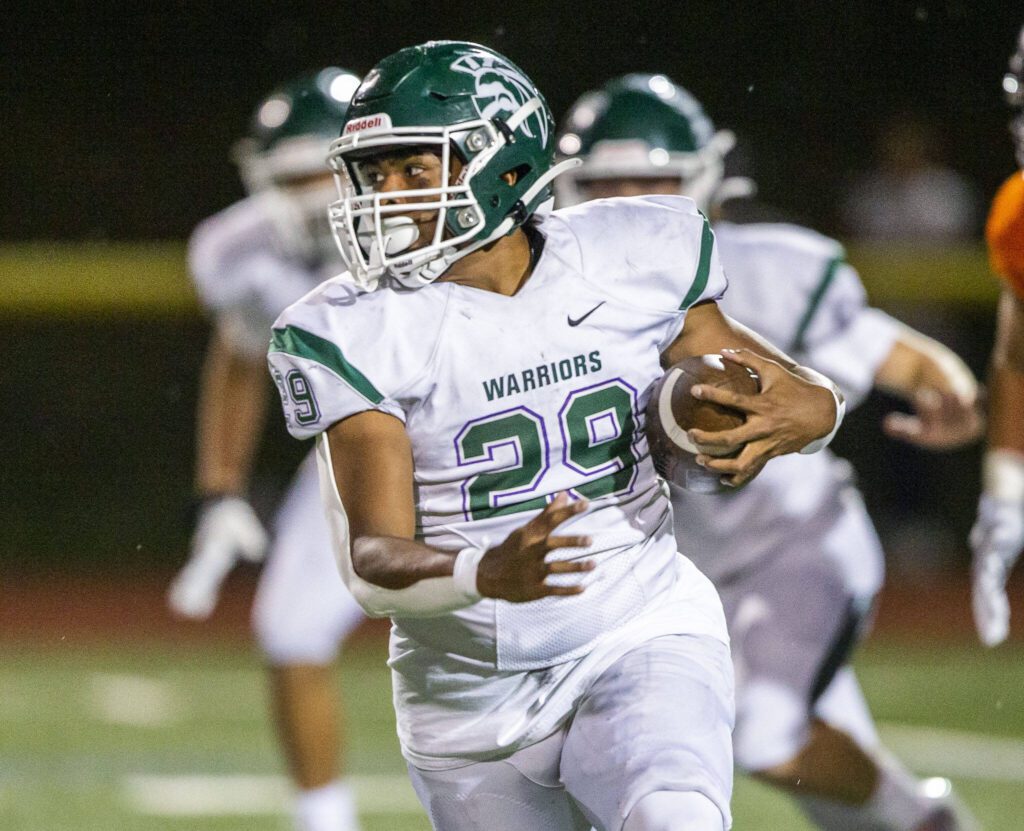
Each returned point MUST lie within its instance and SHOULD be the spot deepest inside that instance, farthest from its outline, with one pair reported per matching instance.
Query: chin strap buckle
(504, 129)
(518, 213)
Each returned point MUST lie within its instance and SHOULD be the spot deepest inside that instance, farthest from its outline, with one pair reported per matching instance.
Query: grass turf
(80, 726)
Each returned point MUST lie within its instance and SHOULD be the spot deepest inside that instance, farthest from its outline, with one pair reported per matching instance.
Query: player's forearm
(396, 563)
(917, 363)
(1006, 377)
(722, 333)
(232, 408)
(1008, 351)
(832, 402)
(1006, 409)
(708, 330)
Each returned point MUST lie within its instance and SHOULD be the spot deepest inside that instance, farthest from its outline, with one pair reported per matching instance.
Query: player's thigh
(494, 796)
(843, 705)
(657, 720)
(852, 542)
(302, 610)
(793, 624)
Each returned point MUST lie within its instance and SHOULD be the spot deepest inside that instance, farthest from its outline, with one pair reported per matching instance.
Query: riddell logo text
(367, 123)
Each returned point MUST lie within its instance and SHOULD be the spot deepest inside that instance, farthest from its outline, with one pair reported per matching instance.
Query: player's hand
(227, 530)
(786, 415)
(518, 569)
(996, 540)
(941, 421)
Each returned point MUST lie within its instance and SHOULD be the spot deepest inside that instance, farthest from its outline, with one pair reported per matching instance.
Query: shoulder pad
(656, 252)
(781, 239)
(352, 350)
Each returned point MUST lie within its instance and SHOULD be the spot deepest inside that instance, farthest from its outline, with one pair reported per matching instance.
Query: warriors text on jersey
(1005, 233)
(792, 286)
(508, 401)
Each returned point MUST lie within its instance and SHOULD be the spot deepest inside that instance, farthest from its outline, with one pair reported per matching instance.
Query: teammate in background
(248, 263)
(480, 417)
(998, 534)
(793, 555)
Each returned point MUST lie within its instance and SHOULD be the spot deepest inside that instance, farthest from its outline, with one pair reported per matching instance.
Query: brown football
(672, 410)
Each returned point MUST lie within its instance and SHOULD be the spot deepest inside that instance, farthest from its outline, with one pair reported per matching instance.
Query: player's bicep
(371, 458)
(707, 329)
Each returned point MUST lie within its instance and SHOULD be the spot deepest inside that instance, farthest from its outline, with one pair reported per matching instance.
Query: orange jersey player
(998, 534)
(1005, 233)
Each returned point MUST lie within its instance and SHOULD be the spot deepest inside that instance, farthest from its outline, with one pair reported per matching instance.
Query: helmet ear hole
(516, 174)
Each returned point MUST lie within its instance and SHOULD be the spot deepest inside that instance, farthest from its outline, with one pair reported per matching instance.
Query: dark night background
(118, 116)
(117, 123)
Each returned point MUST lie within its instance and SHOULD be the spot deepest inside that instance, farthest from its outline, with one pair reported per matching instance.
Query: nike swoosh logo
(579, 320)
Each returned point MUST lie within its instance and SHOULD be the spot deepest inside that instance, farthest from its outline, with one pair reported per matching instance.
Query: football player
(248, 263)
(793, 555)
(998, 534)
(480, 416)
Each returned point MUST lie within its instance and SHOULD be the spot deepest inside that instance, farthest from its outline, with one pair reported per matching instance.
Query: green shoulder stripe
(302, 344)
(700, 279)
(812, 307)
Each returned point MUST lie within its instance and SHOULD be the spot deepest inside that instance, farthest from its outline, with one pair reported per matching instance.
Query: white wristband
(824, 441)
(464, 572)
(1002, 475)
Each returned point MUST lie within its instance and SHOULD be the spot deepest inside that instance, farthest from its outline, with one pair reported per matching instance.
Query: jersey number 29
(598, 428)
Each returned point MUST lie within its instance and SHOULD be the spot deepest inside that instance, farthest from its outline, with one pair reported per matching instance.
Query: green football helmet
(290, 134)
(462, 101)
(643, 126)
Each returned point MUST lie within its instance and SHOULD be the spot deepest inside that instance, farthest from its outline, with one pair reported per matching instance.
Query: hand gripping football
(672, 410)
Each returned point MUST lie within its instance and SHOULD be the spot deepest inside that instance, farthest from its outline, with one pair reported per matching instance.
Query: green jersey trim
(302, 344)
(700, 280)
(812, 307)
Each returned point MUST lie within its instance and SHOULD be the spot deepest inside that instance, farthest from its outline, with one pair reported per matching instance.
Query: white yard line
(238, 795)
(928, 751)
(133, 700)
(955, 753)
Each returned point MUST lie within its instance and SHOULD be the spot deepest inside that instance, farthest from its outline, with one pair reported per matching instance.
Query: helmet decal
(367, 122)
(501, 89)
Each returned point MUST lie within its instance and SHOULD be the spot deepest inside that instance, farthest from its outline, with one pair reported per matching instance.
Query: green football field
(176, 737)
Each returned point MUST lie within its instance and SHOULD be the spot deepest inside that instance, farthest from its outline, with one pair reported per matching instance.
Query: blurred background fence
(103, 348)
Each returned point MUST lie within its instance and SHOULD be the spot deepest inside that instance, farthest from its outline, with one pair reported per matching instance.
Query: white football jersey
(793, 286)
(244, 273)
(508, 401)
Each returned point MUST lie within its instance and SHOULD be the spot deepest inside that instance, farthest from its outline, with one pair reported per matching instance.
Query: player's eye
(370, 176)
(413, 170)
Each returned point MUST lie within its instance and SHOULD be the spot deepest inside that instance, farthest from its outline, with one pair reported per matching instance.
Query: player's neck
(502, 267)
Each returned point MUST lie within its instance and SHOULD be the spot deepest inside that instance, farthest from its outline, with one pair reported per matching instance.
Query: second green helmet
(292, 128)
(642, 126)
